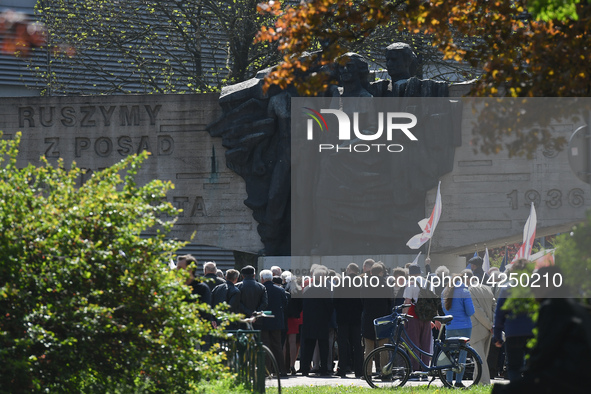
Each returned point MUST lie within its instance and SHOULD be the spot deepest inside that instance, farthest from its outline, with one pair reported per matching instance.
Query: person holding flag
(427, 225)
(419, 331)
(476, 264)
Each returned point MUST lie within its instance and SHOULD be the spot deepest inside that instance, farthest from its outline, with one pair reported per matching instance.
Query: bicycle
(254, 362)
(389, 365)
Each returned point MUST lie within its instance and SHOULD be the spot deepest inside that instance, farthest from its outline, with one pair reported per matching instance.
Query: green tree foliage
(86, 303)
(573, 256)
(150, 46)
(548, 10)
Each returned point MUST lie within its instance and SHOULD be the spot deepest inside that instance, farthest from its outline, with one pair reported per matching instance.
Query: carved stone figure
(439, 128)
(349, 188)
(353, 76)
(400, 63)
(370, 203)
(256, 129)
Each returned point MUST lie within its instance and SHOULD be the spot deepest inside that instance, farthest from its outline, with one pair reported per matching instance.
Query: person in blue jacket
(456, 301)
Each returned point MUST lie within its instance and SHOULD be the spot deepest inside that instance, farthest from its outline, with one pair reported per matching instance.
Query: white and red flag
(428, 224)
(529, 235)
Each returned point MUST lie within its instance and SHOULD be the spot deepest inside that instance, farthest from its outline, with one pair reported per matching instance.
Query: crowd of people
(328, 327)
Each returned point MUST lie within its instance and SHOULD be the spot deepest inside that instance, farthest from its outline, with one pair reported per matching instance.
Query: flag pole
(504, 261)
(429, 250)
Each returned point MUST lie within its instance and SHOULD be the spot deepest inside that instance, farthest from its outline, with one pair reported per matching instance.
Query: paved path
(337, 381)
(299, 380)
(350, 380)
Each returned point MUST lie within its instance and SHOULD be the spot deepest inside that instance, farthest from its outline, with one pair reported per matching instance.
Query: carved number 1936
(553, 198)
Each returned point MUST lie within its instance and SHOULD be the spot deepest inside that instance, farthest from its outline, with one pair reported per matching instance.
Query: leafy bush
(573, 256)
(86, 303)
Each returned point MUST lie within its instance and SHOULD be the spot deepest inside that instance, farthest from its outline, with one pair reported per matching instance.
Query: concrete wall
(99, 131)
(486, 198)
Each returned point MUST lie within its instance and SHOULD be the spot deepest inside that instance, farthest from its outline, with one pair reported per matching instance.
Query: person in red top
(419, 331)
(294, 321)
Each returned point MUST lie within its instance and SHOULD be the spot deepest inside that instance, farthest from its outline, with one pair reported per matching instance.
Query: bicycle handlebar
(256, 315)
(399, 308)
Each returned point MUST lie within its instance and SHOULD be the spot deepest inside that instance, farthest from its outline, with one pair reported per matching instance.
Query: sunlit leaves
(517, 54)
(87, 303)
(320, 25)
(574, 256)
(548, 10)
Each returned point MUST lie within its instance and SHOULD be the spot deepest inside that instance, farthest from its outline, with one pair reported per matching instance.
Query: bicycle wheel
(272, 376)
(472, 368)
(384, 368)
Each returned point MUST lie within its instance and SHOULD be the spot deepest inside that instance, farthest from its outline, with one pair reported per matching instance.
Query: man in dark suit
(377, 302)
(317, 314)
(475, 264)
(212, 280)
(348, 306)
(228, 293)
(271, 332)
(189, 263)
(558, 362)
(253, 295)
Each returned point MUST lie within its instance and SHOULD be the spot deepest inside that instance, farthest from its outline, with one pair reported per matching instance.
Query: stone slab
(486, 198)
(98, 131)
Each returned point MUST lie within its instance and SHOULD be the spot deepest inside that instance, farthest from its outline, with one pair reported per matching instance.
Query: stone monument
(486, 198)
(255, 129)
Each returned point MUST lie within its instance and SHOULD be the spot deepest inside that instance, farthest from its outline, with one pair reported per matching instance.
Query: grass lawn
(363, 390)
(226, 387)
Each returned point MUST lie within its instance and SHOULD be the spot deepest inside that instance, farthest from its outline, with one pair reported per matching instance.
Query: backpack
(427, 306)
